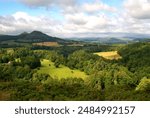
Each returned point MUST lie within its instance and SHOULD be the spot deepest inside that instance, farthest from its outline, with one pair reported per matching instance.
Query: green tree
(31, 61)
(144, 85)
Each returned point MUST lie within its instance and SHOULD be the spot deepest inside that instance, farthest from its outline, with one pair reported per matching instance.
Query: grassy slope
(109, 55)
(61, 72)
(52, 44)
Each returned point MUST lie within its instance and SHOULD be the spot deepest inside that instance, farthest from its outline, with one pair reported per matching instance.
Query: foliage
(75, 73)
(144, 85)
(31, 61)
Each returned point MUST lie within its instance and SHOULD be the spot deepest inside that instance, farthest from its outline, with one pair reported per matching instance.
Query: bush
(144, 85)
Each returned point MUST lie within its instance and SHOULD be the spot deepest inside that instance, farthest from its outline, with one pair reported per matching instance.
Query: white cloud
(138, 9)
(78, 19)
(97, 6)
(99, 23)
(21, 21)
(73, 25)
(47, 3)
(83, 19)
(87, 17)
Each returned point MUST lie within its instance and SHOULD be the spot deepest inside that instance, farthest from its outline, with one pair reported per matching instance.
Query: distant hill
(112, 37)
(106, 40)
(8, 37)
(35, 36)
(38, 37)
(115, 40)
(142, 40)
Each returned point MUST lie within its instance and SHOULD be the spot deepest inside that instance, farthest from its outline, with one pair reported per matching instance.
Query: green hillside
(136, 57)
(51, 74)
(60, 72)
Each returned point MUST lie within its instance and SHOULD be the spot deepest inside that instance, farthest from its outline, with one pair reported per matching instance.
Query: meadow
(109, 55)
(62, 71)
(53, 44)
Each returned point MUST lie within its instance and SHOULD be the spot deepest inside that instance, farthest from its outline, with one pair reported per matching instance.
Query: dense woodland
(127, 78)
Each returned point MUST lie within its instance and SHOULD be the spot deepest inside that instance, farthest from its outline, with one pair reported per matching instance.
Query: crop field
(60, 72)
(109, 55)
(53, 44)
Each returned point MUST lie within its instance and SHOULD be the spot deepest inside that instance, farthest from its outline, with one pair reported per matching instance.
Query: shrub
(144, 85)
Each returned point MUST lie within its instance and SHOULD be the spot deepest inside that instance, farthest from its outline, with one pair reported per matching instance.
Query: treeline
(66, 50)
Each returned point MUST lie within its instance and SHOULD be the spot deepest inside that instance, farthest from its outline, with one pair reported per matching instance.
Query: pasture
(52, 44)
(109, 55)
(60, 72)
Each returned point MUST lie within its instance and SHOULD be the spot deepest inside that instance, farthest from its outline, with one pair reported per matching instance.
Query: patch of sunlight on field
(53, 44)
(60, 72)
(109, 55)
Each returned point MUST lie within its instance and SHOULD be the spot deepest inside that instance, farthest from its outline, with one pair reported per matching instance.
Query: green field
(60, 72)
(109, 55)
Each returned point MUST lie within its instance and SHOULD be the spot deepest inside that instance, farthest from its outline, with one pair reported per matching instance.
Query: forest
(36, 72)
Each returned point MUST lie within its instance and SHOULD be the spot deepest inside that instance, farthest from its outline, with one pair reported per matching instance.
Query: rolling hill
(35, 36)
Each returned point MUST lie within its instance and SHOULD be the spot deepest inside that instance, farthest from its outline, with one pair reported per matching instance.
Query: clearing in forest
(52, 44)
(109, 55)
(60, 72)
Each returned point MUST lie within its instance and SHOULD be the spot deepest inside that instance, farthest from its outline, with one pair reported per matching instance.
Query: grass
(13, 42)
(60, 72)
(109, 55)
(52, 44)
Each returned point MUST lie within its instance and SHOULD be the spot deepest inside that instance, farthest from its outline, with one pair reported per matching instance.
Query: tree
(144, 85)
(5, 59)
(31, 61)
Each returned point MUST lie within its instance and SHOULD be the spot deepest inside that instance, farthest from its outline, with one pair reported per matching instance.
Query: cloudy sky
(69, 18)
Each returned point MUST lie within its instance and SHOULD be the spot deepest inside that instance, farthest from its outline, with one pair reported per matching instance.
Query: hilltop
(35, 36)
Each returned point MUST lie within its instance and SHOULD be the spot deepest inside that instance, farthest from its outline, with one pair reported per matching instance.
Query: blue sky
(115, 3)
(72, 17)
(10, 7)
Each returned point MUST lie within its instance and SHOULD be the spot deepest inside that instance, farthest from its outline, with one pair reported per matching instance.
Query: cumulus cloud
(138, 9)
(99, 23)
(70, 6)
(78, 19)
(73, 25)
(81, 19)
(87, 17)
(47, 3)
(97, 6)
(21, 21)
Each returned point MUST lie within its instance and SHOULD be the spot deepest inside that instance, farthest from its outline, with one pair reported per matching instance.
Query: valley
(38, 67)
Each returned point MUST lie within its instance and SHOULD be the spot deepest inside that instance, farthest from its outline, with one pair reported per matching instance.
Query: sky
(75, 18)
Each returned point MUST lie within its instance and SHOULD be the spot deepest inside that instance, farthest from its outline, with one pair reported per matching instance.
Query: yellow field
(109, 55)
(53, 44)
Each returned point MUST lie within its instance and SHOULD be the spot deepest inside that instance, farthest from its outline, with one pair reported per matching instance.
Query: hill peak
(36, 32)
(34, 36)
